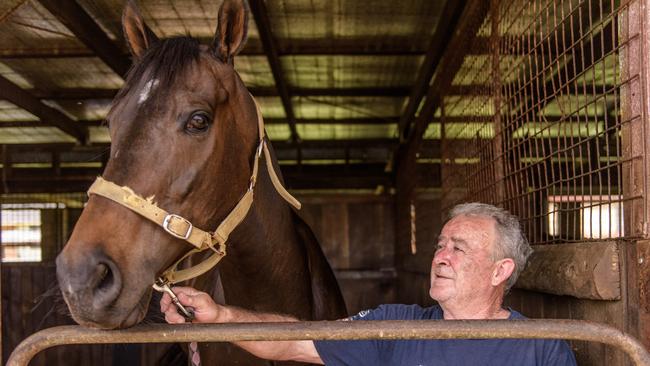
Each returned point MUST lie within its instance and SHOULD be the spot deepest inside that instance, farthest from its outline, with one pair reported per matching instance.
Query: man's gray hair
(511, 242)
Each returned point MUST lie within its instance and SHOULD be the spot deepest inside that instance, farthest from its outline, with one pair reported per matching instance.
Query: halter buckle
(168, 229)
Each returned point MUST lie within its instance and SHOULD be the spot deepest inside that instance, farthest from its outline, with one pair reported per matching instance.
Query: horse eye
(199, 122)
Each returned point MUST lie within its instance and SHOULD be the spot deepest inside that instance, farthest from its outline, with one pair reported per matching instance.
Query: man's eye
(457, 249)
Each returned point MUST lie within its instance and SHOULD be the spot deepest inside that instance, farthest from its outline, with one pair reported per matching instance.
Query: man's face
(463, 264)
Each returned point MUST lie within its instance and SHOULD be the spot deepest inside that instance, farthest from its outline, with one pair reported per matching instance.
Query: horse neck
(266, 262)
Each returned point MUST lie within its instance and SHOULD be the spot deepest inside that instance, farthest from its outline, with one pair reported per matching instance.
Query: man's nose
(441, 256)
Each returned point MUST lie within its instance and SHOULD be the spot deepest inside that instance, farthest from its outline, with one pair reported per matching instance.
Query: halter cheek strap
(182, 228)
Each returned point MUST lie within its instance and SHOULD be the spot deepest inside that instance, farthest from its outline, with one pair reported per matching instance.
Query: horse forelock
(162, 64)
(149, 83)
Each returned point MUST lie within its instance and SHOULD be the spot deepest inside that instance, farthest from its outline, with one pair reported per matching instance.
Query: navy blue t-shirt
(456, 352)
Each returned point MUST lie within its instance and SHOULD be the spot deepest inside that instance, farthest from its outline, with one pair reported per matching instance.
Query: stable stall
(383, 116)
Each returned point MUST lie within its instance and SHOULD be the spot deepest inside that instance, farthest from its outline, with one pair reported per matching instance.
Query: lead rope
(194, 354)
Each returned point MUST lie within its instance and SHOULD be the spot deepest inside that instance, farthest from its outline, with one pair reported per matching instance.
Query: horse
(186, 138)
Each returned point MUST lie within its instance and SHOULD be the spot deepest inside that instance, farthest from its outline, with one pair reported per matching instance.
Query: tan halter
(182, 228)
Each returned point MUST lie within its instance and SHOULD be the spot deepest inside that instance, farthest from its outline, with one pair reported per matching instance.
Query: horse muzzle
(90, 284)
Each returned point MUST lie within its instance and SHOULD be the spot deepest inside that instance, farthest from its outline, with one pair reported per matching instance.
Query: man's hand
(205, 309)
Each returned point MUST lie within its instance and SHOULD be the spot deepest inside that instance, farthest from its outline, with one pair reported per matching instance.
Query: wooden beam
(398, 92)
(444, 30)
(452, 59)
(583, 270)
(391, 46)
(258, 8)
(337, 143)
(330, 121)
(361, 175)
(109, 93)
(12, 93)
(75, 18)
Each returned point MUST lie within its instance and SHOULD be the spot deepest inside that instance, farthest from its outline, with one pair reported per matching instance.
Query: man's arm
(207, 311)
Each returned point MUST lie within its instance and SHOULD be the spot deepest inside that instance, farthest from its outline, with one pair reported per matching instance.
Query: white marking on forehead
(146, 90)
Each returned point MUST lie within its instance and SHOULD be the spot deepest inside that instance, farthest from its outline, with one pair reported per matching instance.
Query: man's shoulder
(399, 312)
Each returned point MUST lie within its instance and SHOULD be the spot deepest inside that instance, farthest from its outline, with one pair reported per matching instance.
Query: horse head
(183, 134)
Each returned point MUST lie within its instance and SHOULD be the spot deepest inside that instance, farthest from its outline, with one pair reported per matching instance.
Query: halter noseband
(182, 228)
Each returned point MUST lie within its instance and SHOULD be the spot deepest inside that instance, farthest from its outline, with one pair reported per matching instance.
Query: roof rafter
(48, 115)
(109, 93)
(75, 18)
(264, 27)
(448, 20)
(464, 33)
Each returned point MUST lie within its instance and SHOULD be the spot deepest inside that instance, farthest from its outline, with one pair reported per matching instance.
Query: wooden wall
(26, 310)
(357, 233)
(413, 269)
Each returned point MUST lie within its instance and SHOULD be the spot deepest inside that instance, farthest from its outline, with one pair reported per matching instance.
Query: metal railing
(335, 330)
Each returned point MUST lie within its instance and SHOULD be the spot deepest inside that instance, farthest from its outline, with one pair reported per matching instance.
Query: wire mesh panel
(541, 119)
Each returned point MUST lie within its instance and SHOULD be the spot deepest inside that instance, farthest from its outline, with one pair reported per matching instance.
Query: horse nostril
(107, 284)
(94, 282)
(105, 277)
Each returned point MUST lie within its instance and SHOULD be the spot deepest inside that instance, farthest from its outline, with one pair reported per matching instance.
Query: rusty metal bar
(333, 330)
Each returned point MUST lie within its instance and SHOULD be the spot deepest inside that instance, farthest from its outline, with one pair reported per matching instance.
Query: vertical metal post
(498, 162)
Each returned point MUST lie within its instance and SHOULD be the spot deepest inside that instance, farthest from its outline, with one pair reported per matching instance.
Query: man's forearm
(304, 351)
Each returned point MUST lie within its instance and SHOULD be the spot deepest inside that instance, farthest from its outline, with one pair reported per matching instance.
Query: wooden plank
(642, 284)
(371, 235)
(582, 270)
(367, 293)
(334, 236)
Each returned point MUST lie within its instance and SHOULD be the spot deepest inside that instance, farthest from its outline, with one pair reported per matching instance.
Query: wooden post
(1, 312)
(635, 114)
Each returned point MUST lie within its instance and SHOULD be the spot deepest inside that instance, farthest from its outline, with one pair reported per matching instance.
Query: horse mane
(166, 60)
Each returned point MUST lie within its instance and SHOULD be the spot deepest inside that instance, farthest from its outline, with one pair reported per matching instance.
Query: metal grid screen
(544, 118)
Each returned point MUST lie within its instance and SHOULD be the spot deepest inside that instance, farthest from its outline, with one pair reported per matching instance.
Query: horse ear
(138, 35)
(232, 29)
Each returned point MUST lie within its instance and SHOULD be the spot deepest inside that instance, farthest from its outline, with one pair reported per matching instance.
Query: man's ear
(138, 36)
(503, 269)
(232, 30)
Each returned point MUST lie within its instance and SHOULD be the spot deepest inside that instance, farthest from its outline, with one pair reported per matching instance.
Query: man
(479, 255)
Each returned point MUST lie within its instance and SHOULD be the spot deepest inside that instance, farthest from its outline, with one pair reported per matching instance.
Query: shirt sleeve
(350, 353)
(559, 353)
